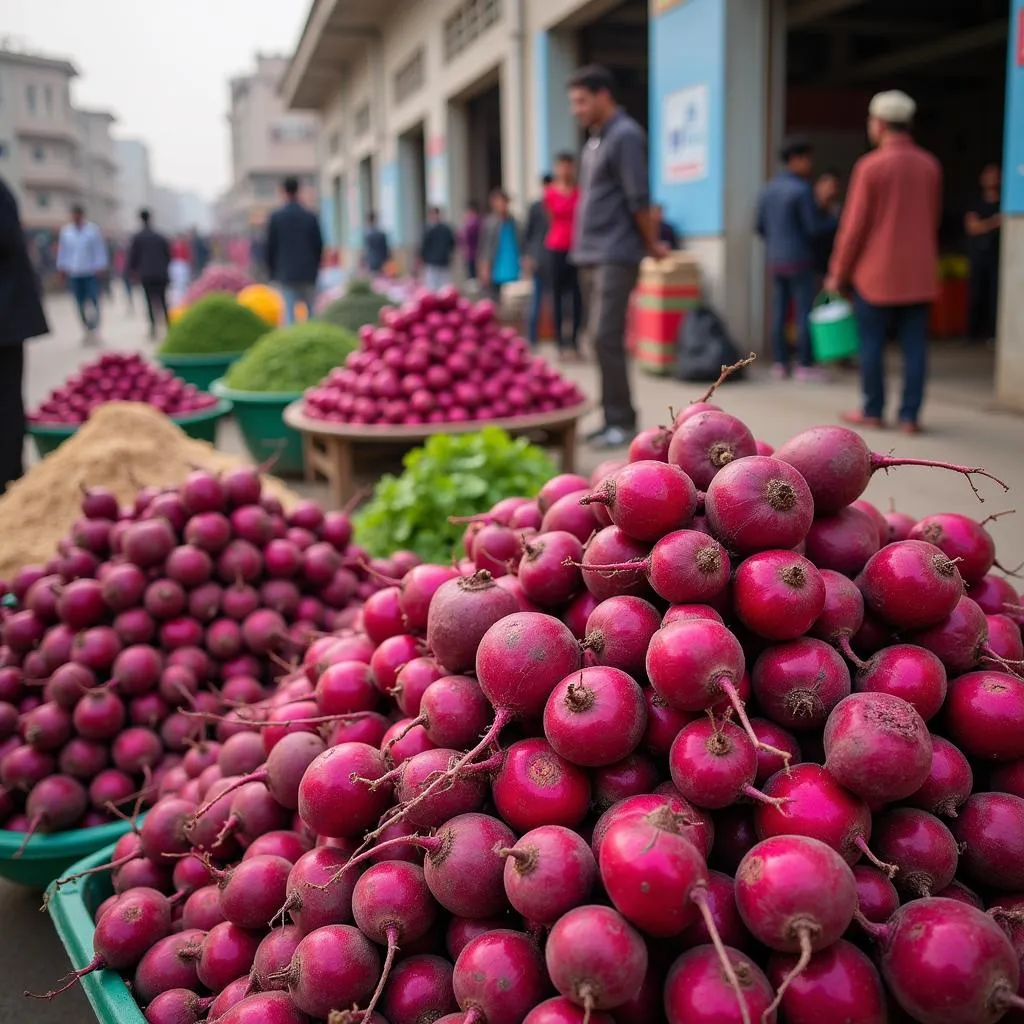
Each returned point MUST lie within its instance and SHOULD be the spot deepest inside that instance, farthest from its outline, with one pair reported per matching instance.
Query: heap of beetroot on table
(439, 359)
(705, 739)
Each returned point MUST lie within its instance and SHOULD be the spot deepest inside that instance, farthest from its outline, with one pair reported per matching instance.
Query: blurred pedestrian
(887, 248)
(982, 224)
(826, 195)
(200, 253)
(498, 256)
(561, 200)
(535, 257)
(469, 237)
(81, 258)
(21, 318)
(789, 222)
(180, 269)
(123, 274)
(149, 262)
(613, 232)
(295, 248)
(376, 251)
(437, 248)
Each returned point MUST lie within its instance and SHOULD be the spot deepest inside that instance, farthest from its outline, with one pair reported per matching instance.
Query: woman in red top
(560, 200)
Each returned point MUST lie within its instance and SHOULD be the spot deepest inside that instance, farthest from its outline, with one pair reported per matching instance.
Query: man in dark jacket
(376, 251)
(149, 260)
(294, 249)
(436, 251)
(21, 318)
(789, 221)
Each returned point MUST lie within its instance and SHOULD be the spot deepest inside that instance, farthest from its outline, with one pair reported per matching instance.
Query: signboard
(685, 135)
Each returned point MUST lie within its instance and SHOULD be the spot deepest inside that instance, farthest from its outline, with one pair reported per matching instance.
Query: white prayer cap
(893, 107)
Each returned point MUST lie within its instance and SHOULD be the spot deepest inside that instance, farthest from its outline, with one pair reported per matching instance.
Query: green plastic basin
(201, 425)
(199, 370)
(71, 908)
(261, 423)
(48, 857)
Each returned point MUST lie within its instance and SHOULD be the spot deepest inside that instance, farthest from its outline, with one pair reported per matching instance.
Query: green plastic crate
(259, 415)
(201, 370)
(201, 425)
(48, 857)
(71, 908)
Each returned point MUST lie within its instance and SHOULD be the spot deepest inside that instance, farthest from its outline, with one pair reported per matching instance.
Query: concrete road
(962, 429)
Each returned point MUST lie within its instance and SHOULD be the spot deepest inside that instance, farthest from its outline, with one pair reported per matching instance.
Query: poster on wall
(685, 135)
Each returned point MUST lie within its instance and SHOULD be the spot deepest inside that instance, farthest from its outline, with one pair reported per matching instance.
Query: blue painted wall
(390, 209)
(687, 45)
(541, 98)
(327, 219)
(1013, 160)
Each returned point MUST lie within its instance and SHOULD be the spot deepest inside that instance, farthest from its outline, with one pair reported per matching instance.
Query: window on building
(467, 23)
(42, 200)
(39, 154)
(362, 120)
(409, 77)
(30, 98)
(48, 101)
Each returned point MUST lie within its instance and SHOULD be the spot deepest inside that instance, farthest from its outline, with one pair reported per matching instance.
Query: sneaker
(812, 374)
(780, 371)
(594, 435)
(611, 437)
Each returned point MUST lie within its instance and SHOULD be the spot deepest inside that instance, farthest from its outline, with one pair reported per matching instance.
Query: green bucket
(833, 327)
(47, 857)
(201, 370)
(259, 415)
(71, 909)
(201, 425)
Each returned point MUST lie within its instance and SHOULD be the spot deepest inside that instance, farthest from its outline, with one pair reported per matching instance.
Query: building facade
(268, 143)
(134, 182)
(434, 102)
(98, 162)
(40, 144)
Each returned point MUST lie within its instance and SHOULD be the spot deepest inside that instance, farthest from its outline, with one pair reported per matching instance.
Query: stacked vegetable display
(119, 377)
(706, 738)
(439, 359)
(148, 615)
(221, 278)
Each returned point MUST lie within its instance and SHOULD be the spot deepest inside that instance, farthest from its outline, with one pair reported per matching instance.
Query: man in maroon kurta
(887, 250)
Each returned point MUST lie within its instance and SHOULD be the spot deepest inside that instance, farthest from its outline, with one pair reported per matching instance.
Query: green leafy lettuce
(451, 475)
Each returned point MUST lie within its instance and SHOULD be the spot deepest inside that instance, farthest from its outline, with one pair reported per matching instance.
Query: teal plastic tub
(201, 425)
(48, 857)
(71, 908)
(259, 415)
(833, 327)
(201, 370)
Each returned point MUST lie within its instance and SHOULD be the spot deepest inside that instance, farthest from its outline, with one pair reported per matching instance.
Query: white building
(98, 162)
(40, 146)
(268, 143)
(134, 181)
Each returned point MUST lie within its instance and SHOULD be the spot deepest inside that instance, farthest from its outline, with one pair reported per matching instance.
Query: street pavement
(962, 428)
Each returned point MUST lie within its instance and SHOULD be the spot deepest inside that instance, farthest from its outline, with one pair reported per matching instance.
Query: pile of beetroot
(705, 739)
(119, 377)
(148, 619)
(439, 359)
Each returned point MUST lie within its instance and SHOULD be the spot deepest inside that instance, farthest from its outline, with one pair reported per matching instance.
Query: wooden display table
(329, 448)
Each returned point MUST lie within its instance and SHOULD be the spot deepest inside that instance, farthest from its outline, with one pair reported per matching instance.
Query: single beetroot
(984, 715)
(536, 786)
(461, 612)
(991, 827)
(498, 978)
(877, 746)
(757, 504)
(698, 989)
(797, 684)
(911, 584)
(961, 539)
(619, 631)
(949, 782)
(906, 671)
(778, 594)
(707, 441)
(611, 547)
(419, 990)
(921, 848)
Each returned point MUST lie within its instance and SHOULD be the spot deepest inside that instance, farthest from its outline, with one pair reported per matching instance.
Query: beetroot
(419, 989)
(594, 958)
(906, 671)
(499, 977)
(618, 632)
(797, 684)
(699, 991)
(461, 612)
(949, 782)
(911, 584)
(706, 442)
(991, 827)
(877, 746)
(921, 848)
(778, 594)
(611, 547)
(960, 538)
(647, 499)
(757, 504)
(334, 799)
(984, 715)
(535, 786)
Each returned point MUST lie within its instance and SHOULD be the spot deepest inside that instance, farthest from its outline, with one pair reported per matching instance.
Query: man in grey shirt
(613, 232)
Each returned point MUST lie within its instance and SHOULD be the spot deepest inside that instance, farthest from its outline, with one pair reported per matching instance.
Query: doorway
(412, 185)
(483, 117)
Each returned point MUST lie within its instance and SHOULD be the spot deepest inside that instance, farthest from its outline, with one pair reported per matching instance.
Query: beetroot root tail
(806, 950)
(699, 897)
(889, 869)
(890, 461)
(741, 713)
(392, 936)
(97, 963)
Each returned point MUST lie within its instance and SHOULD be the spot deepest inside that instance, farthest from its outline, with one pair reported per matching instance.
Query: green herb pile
(291, 359)
(216, 323)
(451, 475)
(358, 306)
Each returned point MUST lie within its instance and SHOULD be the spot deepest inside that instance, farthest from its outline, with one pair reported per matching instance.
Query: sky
(161, 67)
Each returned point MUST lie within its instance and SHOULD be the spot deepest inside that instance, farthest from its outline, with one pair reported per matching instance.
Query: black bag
(704, 347)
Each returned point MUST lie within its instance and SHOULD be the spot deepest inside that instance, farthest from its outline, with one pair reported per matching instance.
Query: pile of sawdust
(123, 446)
